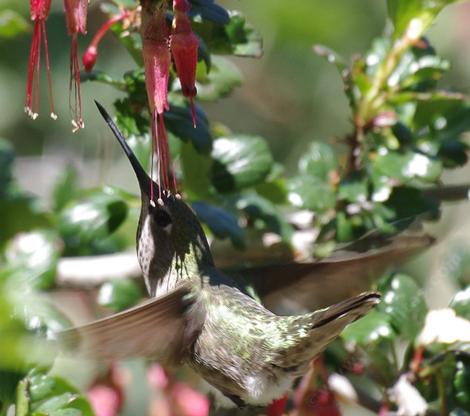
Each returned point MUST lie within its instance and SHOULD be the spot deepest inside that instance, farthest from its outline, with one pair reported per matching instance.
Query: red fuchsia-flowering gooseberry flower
(157, 60)
(75, 15)
(91, 53)
(39, 12)
(184, 48)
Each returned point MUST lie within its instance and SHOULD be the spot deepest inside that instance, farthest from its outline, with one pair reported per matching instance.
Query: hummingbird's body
(245, 351)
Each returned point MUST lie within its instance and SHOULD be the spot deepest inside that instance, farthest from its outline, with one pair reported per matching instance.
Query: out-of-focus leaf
(221, 80)
(131, 40)
(53, 396)
(12, 24)
(461, 383)
(319, 161)
(353, 189)
(371, 329)
(259, 208)
(407, 166)
(209, 10)
(407, 202)
(239, 162)
(119, 294)
(20, 213)
(220, 222)
(310, 193)
(9, 380)
(403, 302)
(32, 258)
(274, 191)
(420, 13)
(196, 171)
(179, 121)
(235, 37)
(65, 188)
(86, 222)
(461, 303)
(7, 156)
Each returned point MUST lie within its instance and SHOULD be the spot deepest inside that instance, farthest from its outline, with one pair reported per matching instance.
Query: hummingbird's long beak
(142, 177)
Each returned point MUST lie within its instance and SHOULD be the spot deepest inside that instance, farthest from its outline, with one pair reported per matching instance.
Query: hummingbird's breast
(236, 348)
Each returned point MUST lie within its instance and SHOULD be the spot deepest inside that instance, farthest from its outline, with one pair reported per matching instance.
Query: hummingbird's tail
(314, 331)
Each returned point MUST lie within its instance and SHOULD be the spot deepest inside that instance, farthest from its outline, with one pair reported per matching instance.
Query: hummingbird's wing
(321, 327)
(293, 288)
(161, 329)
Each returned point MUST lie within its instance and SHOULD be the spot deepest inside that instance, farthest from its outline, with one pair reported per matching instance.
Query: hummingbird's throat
(165, 175)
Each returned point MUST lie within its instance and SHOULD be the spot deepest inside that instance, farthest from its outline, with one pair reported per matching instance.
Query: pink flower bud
(89, 58)
(39, 11)
(76, 17)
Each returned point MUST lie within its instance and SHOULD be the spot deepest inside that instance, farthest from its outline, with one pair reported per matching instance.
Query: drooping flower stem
(39, 12)
(91, 53)
(76, 18)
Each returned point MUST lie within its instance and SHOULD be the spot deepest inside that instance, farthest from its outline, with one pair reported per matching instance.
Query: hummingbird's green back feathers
(160, 329)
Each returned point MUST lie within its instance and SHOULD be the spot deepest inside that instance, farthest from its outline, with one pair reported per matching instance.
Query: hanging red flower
(184, 48)
(76, 17)
(39, 11)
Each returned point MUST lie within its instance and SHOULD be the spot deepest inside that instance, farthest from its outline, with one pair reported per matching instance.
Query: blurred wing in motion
(161, 329)
(293, 288)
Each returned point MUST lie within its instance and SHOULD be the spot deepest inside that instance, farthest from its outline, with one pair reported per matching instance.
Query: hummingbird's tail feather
(314, 331)
(160, 329)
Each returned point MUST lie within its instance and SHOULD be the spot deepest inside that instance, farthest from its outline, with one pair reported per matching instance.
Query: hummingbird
(202, 317)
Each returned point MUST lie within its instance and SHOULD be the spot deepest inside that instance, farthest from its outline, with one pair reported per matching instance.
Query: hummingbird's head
(171, 243)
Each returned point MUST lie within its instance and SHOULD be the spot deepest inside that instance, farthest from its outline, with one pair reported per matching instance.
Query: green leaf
(32, 258)
(50, 395)
(421, 12)
(405, 306)
(65, 189)
(7, 156)
(220, 222)
(221, 80)
(119, 294)
(407, 166)
(9, 380)
(208, 10)
(310, 193)
(460, 303)
(353, 189)
(371, 329)
(258, 208)
(179, 121)
(20, 213)
(87, 222)
(12, 24)
(235, 37)
(196, 172)
(239, 162)
(319, 161)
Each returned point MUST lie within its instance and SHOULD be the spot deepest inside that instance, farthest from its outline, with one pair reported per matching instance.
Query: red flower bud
(184, 48)
(157, 62)
(76, 16)
(39, 11)
(91, 53)
(89, 58)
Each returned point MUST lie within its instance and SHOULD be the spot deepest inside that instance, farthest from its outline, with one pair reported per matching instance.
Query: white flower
(444, 327)
(408, 399)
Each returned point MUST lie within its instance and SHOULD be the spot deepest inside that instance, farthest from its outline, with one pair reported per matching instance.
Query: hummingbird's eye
(162, 218)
